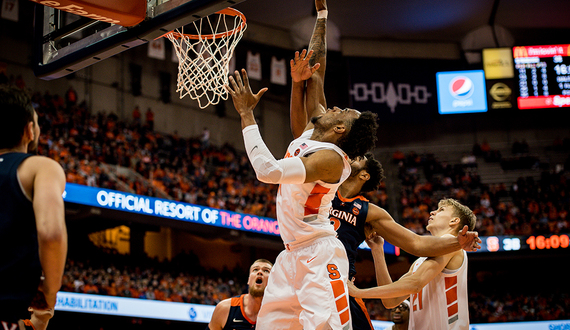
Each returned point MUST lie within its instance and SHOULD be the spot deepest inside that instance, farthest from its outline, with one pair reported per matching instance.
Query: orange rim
(227, 11)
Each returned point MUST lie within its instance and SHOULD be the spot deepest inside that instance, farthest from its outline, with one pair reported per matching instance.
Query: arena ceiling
(528, 21)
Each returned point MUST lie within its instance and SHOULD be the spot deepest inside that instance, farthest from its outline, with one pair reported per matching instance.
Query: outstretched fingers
(245, 82)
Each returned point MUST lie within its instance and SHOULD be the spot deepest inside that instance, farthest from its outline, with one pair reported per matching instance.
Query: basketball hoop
(205, 53)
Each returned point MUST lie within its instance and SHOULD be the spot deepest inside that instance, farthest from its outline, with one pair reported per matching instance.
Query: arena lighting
(175, 311)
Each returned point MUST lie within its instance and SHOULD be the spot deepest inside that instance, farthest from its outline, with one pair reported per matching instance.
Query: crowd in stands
(184, 280)
(194, 171)
(524, 207)
(180, 280)
(185, 169)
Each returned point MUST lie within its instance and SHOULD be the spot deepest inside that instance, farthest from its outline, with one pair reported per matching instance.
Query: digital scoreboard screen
(516, 243)
(543, 76)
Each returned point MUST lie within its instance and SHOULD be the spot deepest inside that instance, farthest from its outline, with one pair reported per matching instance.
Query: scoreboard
(516, 243)
(543, 74)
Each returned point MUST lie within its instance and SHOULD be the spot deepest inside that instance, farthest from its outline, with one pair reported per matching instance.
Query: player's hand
(469, 240)
(39, 318)
(375, 241)
(352, 289)
(242, 96)
(300, 68)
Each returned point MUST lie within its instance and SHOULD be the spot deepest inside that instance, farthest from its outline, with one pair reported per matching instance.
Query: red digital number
(564, 241)
(554, 242)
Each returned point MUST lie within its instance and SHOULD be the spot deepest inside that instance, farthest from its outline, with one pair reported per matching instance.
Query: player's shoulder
(375, 212)
(220, 314)
(41, 163)
(41, 160)
(223, 307)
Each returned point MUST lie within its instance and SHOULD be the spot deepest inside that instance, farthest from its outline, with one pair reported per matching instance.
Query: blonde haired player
(437, 286)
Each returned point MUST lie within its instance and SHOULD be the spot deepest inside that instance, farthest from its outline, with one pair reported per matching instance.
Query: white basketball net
(204, 56)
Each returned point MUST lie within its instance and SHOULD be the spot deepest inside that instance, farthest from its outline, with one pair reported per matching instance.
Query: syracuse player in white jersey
(437, 287)
(307, 286)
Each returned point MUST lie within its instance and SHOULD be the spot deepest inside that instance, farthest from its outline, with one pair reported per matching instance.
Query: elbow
(55, 236)
(416, 286)
(389, 303)
(269, 179)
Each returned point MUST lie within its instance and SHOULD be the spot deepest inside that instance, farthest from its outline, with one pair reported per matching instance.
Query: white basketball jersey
(442, 303)
(303, 209)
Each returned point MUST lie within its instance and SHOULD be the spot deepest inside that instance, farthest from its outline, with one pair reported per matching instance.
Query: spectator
(150, 119)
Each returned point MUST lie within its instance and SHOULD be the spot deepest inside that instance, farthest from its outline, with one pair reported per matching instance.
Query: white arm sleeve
(267, 168)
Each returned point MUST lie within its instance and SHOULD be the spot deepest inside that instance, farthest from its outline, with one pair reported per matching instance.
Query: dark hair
(376, 172)
(361, 137)
(16, 112)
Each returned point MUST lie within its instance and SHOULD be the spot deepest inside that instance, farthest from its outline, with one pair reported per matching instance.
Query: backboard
(65, 42)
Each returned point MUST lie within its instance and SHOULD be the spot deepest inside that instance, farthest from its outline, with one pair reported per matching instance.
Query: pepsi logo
(461, 87)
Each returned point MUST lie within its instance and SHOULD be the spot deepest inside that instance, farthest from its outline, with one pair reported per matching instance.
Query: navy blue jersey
(349, 217)
(20, 267)
(237, 319)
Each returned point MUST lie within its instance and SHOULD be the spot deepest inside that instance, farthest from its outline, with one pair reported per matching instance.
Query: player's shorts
(360, 317)
(307, 289)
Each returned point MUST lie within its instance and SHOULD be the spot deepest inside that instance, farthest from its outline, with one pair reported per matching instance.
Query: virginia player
(240, 312)
(353, 216)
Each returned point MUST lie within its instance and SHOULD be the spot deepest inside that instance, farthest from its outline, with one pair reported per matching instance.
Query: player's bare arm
(376, 244)
(220, 315)
(324, 165)
(300, 72)
(410, 284)
(315, 95)
(47, 190)
(381, 222)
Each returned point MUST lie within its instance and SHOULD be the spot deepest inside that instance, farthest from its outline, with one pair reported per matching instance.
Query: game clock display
(516, 243)
(543, 76)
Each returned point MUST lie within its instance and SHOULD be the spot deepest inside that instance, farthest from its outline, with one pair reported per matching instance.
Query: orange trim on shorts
(341, 304)
(338, 288)
(360, 303)
(341, 300)
(345, 316)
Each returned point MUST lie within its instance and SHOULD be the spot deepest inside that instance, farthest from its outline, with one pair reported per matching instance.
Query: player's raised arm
(316, 101)
(300, 72)
(267, 168)
(309, 101)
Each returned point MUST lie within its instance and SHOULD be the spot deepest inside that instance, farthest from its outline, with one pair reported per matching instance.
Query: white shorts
(307, 289)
